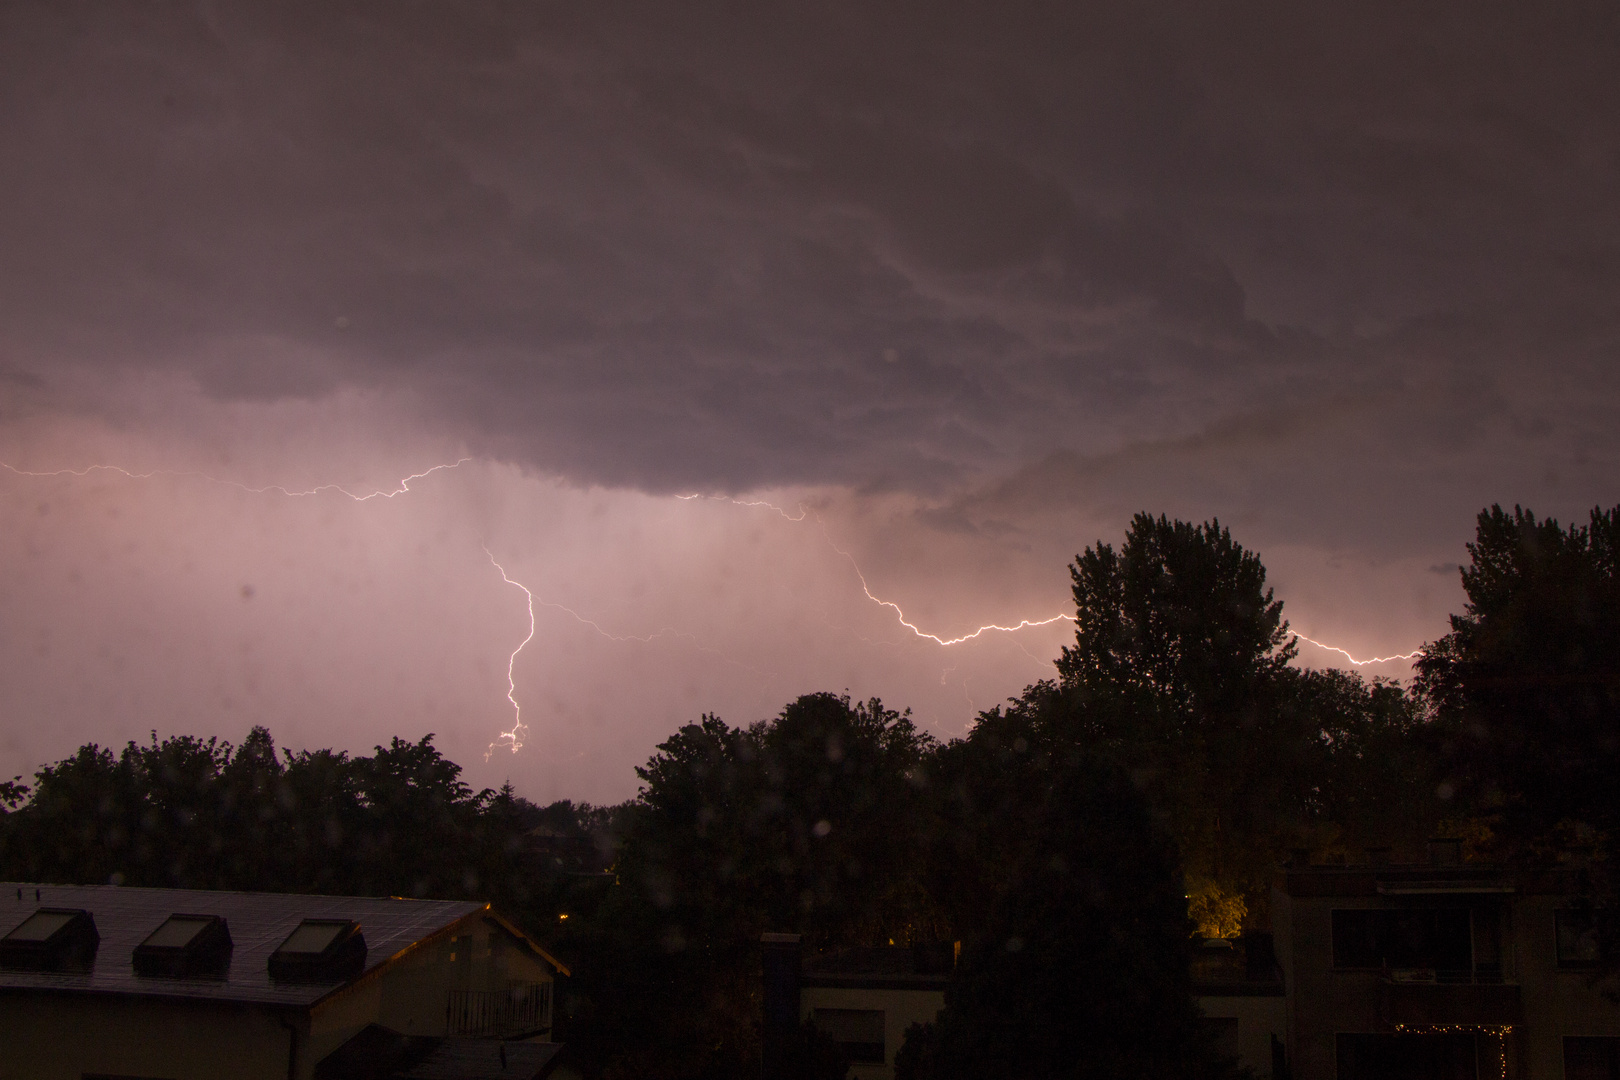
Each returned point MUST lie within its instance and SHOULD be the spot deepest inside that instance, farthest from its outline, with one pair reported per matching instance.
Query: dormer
(320, 950)
(52, 939)
(186, 946)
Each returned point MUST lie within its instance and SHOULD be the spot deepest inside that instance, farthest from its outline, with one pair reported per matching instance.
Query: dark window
(1223, 1034)
(186, 945)
(1436, 939)
(1578, 944)
(1591, 1059)
(1407, 1057)
(320, 950)
(858, 1032)
(52, 939)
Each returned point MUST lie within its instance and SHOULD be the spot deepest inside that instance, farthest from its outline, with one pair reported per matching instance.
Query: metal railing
(519, 1009)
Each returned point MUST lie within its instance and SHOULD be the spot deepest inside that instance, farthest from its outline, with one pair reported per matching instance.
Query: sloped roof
(258, 922)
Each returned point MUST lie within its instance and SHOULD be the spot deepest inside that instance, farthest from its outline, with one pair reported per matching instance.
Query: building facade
(112, 982)
(1441, 971)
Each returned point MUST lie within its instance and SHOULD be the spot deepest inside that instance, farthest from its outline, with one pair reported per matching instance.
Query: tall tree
(1180, 612)
(1180, 664)
(1079, 967)
(1529, 677)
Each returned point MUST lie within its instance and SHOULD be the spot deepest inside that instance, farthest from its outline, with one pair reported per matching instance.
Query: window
(320, 950)
(186, 945)
(1578, 943)
(1425, 939)
(52, 939)
(1407, 1057)
(1591, 1059)
(858, 1032)
(1223, 1033)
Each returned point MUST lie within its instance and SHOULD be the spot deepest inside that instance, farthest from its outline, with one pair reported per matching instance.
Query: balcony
(520, 1009)
(1419, 1000)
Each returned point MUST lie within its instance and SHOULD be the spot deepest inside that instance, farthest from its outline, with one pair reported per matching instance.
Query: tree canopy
(1527, 683)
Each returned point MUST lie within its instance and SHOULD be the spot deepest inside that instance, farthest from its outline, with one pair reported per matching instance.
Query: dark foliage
(800, 824)
(1527, 684)
(189, 813)
(1180, 671)
(1079, 966)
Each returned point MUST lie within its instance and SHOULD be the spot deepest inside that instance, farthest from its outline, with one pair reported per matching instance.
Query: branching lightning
(520, 730)
(513, 738)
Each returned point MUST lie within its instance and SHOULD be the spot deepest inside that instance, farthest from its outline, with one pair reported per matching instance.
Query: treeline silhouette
(1072, 842)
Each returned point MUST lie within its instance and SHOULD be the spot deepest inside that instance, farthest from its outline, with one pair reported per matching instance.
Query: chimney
(781, 967)
(1445, 851)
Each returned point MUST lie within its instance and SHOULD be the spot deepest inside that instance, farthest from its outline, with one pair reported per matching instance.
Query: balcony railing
(1458, 1000)
(520, 1009)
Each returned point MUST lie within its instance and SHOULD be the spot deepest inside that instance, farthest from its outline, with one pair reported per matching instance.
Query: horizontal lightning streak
(404, 483)
(1353, 660)
(1023, 624)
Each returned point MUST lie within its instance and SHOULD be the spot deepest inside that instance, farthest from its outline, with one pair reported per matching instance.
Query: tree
(1180, 612)
(801, 823)
(1080, 968)
(1180, 666)
(1527, 683)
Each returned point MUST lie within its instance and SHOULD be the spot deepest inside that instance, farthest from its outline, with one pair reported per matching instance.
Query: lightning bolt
(988, 628)
(404, 483)
(1353, 660)
(746, 502)
(519, 729)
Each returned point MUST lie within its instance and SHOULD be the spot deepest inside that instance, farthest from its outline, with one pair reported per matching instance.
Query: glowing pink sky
(969, 288)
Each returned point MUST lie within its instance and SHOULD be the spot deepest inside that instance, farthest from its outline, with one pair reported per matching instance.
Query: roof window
(186, 945)
(320, 950)
(52, 939)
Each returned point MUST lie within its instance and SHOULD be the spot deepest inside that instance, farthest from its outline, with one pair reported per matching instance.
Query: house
(1239, 986)
(116, 982)
(865, 999)
(1441, 971)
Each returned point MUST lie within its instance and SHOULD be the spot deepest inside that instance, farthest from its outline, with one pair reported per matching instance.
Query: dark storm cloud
(723, 246)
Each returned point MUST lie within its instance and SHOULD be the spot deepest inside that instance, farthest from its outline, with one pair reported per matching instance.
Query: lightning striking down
(519, 729)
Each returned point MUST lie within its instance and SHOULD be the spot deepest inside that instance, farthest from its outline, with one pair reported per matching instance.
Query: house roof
(258, 923)
(880, 968)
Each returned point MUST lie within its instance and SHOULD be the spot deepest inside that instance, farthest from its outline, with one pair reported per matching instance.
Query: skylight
(320, 950)
(178, 931)
(186, 945)
(39, 926)
(313, 937)
(51, 939)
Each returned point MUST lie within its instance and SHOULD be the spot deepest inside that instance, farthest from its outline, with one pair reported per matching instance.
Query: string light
(1499, 1032)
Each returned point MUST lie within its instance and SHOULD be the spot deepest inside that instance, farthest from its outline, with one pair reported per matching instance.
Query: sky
(758, 349)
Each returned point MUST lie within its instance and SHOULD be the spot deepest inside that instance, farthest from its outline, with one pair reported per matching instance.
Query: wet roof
(259, 922)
